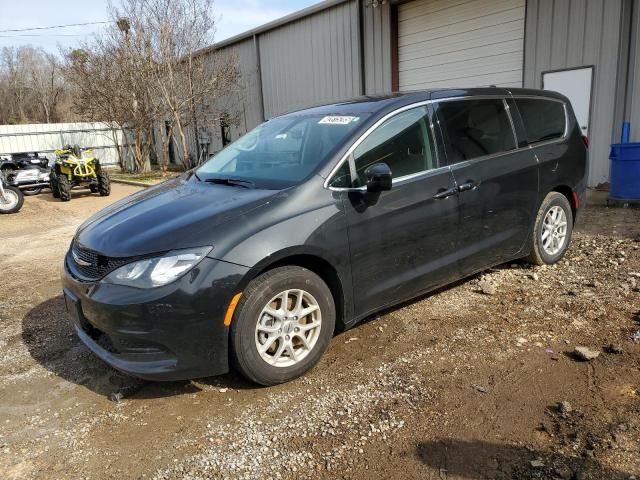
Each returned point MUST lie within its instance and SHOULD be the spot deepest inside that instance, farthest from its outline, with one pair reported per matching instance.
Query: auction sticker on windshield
(338, 120)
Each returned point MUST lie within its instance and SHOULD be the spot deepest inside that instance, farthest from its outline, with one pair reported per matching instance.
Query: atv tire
(104, 184)
(53, 185)
(64, 188)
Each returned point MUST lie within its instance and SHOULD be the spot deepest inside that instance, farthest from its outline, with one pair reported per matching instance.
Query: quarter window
(543, 119)
(403, 142)
(475, 128)
(342, 178)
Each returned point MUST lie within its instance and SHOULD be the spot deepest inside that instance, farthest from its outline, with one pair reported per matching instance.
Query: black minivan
(317, 219)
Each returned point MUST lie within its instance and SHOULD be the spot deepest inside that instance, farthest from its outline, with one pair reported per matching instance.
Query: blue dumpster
(625, 171)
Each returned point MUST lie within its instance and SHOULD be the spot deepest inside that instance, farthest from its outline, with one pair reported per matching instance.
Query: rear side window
(543, 119)
(475, 128)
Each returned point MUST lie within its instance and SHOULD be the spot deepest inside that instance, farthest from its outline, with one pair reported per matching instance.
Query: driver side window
(403, 142)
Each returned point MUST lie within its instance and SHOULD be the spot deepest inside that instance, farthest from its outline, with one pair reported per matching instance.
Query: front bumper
(173, 332)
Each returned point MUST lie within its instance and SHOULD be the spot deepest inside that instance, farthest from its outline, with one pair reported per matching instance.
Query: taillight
(585, 139)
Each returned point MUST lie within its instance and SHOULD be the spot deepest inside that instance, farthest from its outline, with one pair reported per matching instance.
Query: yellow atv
(76, 167)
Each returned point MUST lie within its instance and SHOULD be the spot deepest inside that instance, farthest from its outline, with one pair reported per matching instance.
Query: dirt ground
(475, 381)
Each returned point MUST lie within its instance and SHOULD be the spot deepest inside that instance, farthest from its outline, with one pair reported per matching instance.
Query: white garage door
(460, 43)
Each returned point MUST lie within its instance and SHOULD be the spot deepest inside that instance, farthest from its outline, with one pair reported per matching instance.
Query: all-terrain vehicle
(76, 167)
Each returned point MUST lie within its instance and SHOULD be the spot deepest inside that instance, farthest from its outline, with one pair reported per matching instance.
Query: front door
(498, 183)
(402, 241)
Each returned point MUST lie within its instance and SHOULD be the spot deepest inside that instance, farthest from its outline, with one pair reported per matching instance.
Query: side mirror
(378, 177)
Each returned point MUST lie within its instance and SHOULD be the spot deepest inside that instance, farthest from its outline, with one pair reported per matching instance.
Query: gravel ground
(478, 380)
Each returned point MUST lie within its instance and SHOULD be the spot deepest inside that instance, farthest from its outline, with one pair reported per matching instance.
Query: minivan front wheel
(283, 324)
(552, 230)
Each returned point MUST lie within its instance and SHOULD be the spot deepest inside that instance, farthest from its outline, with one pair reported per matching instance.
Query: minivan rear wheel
(282, 325)
(552, 231)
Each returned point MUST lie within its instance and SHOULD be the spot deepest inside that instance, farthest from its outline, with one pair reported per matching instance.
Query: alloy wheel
(288, 328)
(554, 230)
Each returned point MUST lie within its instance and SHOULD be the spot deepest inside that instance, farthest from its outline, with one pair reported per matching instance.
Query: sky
(235, 16)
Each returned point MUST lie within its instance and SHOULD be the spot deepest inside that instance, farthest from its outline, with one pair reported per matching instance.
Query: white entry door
(576, 85)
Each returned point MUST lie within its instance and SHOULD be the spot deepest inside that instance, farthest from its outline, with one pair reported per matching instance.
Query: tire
(15, 199)
(53, 185)
(104, 184)
(32, 191)
(245, 337)
(9, 174)
(64, 188)
(543, 252)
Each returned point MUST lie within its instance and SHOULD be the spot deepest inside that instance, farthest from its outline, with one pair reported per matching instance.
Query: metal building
(587, 49)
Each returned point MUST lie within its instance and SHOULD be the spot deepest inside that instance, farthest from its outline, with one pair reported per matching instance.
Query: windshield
(281, 152)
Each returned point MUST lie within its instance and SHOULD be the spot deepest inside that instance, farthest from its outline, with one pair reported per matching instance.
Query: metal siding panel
(385, 19)
(355, 49)
(243, 104)
(606, 91)
(304, 62)
(543, 46)
(560, 30)
(623, 65)
(470, 43)
(341, 53)
(576, 33)
(531, 35)
(592, 32)
(633, 95)
(377, 43)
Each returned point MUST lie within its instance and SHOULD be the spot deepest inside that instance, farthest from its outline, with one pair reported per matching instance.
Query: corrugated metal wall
(377, 48)
(242, 106)
(311, 60)
(575, 33)
(633, 92)
(48, 137)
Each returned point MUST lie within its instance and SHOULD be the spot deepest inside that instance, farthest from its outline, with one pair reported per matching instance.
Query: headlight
(158, 271)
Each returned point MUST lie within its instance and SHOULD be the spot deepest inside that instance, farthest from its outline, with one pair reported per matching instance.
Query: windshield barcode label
(338, 120)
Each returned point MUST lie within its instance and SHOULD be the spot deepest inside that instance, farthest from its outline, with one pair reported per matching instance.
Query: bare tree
(32, 87)
(47, 84)
(175, 32)
(148, 68)
(112, 77)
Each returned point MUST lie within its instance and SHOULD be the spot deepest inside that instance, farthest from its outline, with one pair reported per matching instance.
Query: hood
(179, 213)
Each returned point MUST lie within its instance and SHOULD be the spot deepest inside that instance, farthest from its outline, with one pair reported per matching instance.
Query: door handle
(467, 186)
(446, 192)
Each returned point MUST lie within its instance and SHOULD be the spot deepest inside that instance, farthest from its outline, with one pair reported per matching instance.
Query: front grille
(90, 265)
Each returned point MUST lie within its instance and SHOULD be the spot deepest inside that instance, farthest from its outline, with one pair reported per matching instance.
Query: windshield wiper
(233, 182)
